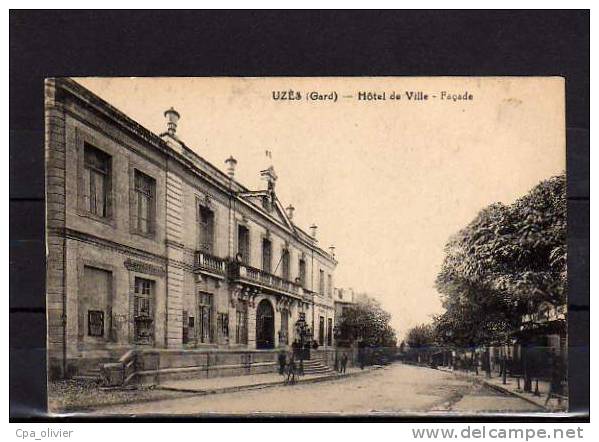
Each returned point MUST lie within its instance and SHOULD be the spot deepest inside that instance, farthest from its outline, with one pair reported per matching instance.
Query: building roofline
(74, 88)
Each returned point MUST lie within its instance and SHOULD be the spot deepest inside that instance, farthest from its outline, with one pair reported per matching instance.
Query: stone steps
(91, 373)
(316, 366)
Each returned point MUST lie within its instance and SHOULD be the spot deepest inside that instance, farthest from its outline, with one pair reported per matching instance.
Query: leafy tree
(506, 263)
(421, 342)
(421, 336)
(367, 322)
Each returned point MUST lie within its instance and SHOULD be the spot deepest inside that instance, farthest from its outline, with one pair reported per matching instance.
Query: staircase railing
(128, 360)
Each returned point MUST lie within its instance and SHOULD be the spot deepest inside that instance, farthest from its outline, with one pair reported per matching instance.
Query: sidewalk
(511, 387)
(67, 397)
(247, 382)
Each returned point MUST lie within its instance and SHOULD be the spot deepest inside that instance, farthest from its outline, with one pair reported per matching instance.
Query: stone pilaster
(251, 325)
(55, 159)
(174, 253)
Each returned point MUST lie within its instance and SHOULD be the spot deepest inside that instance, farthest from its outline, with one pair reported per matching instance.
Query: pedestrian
(296, 346)
(362, 355)
(290, 369)
(282, 362)
(337, 367)
(343, 362)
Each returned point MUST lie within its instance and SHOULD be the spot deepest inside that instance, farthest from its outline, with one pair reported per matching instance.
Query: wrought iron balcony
(246, 273)
(210, 263)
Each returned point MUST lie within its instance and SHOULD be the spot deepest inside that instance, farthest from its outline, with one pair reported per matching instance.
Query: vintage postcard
(355, 246)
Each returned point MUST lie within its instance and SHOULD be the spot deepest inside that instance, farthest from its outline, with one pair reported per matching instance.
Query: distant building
(344, 299)
(151, 248)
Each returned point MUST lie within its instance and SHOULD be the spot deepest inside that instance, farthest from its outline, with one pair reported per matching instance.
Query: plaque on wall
(95, 323)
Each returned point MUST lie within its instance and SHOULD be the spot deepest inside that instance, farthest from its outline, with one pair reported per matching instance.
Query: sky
(386, 181)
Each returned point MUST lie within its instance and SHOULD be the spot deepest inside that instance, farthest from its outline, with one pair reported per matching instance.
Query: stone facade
(153, 249)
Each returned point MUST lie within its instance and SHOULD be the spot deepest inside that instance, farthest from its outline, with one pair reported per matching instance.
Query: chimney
(290, 210)
(313, 229)
(172, 118)
(332, 250)
(231, 163)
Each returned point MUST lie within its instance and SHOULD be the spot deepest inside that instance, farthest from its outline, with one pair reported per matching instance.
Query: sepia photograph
(306, 246)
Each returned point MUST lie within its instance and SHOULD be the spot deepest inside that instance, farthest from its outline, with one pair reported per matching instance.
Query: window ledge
(151, 236)
(109, 221)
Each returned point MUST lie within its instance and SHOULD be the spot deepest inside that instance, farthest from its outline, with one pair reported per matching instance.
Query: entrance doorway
(265, 325)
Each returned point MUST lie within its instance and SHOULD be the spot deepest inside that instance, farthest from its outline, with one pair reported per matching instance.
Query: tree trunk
(527, 378)
(487, 362)
(504, 366)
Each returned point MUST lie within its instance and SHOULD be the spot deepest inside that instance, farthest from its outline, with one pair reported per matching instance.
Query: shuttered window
(302, 272)
(266, 255)
(143, 310)
(243, 244)
(143, 297)
(97, 182)
(205, 333)
(205, 219)
(143, 203)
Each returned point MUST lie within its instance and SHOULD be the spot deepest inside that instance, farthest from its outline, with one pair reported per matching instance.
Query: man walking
(291, 370)
(343, 362)
(282, 361)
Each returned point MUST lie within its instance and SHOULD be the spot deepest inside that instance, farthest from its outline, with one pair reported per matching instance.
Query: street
(394, 389)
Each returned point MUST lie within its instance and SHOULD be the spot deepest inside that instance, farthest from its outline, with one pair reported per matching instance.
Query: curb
(206, 392)
(499, 388)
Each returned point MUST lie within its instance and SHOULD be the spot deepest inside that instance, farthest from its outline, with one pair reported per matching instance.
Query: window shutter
(151, 189)
(133, 201)
(210, 232)
(152, 209)
(85, 189)
(108, 190)
(93, 192)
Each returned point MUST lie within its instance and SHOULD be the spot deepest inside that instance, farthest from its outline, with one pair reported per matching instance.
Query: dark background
(270, 43)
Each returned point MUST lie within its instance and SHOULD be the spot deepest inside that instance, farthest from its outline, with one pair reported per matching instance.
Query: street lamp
(304, 333)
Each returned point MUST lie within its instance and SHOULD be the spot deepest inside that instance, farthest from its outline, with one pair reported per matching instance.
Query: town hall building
(160, 263)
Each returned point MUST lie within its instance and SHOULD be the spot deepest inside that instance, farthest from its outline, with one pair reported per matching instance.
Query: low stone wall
(156, 366)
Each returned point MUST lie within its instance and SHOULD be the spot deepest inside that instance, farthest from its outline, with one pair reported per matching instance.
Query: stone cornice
(107, 244)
